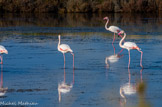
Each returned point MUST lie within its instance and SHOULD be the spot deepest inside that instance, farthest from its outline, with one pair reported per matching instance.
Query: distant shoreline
(80, 6)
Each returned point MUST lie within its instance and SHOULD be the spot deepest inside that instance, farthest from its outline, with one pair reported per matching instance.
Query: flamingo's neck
(122, 95)
(120, 43)
(107, 24)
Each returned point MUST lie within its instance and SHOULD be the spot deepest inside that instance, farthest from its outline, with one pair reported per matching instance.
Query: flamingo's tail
(136, 47)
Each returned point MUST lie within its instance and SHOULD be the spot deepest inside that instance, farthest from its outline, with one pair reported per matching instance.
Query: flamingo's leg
(141, 58)
(73, 76)
(129, 75)
(113, 43)
(113, 38)
(64, 60)
(73, 59)
(120, 36)
(120, 51)
(64, 75)
(129, 59)
(1, 60)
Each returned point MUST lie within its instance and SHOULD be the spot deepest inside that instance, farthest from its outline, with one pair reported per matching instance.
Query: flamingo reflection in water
(2, 90)
(64, 87)
(129, 88)
(112, 59)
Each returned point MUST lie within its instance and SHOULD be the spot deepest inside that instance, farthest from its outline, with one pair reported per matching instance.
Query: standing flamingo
(129, 46)
(2, 51)
(64, 48)
(114, 29)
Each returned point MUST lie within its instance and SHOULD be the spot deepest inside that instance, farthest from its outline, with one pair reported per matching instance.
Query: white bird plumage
(64, 48)
(2, 51)
(113, 29)
(129, 46)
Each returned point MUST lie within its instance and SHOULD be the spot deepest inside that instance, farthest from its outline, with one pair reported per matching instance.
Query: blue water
(33, 68)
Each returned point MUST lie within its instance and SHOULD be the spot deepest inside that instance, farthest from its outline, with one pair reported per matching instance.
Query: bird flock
(64, 48)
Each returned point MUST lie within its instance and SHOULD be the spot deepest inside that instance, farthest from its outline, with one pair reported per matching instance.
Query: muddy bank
(64, 6)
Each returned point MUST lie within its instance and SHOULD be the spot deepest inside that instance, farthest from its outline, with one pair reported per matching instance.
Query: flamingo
(2, 51)
(113, 29)
(64, 48)
(129, 46)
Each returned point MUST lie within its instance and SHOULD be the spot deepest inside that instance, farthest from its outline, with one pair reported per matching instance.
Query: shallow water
(33, 68)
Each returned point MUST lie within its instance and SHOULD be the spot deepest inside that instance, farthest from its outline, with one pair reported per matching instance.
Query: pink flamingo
(2, 51)
(129, 46)
(64, 48)
(114, 29)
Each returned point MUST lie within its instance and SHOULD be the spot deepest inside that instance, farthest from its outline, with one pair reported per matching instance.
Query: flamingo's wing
(130, 44)
(3, 49)
(65, 47)
(114, 29)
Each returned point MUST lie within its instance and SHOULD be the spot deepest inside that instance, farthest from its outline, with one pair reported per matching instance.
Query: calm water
(33, 69)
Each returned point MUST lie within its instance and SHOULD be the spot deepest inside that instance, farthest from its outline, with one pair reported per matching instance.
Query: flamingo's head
(59, 36)
(105, 18)
(121, 32)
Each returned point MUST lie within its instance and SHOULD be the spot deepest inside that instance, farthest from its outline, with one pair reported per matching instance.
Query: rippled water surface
(34, 69)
